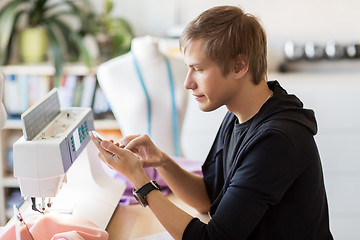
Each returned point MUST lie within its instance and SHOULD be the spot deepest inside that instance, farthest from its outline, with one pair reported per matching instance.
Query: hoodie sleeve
(260, 181)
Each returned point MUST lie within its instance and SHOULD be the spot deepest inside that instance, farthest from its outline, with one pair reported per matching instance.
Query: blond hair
(228, 32)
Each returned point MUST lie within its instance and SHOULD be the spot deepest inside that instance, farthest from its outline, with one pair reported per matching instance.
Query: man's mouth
(198, 97)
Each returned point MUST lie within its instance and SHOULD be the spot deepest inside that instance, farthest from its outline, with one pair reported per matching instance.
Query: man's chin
(207, 108)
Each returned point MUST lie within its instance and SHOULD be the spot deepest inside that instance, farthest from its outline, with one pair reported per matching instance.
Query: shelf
(321, 66)
(99, 124)
(47, 69)
(10, 182)
(13, 124)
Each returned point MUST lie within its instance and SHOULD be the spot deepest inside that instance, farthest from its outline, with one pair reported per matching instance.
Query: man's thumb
(109, 146)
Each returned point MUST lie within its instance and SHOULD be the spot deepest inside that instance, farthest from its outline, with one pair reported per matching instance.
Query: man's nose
(189, 83)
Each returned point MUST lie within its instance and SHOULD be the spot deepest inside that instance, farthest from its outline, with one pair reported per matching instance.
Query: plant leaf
(8, 20)
(60, 14)
(108, 6)
(71, 39)
(77, 7)
(56, 51)
(12, 36)
(62, 31)
(9, 5)
(84, 53)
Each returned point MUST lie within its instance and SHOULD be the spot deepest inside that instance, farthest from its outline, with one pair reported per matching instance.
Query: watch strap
(144, 190)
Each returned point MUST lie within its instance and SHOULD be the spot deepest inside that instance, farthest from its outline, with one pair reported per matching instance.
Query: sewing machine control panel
(79, 136)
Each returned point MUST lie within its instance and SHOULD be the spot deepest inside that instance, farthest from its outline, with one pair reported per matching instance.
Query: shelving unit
(47, 69)
(13, 130)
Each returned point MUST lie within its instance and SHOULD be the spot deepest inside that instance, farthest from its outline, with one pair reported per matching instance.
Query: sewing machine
(56, 148)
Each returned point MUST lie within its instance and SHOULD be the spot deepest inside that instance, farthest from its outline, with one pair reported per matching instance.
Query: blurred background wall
(317, 20)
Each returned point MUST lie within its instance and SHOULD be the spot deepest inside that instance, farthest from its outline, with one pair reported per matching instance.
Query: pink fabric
(69, 227)
(55, 227)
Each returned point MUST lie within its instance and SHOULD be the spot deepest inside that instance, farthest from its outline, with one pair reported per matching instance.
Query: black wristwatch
(140, 194)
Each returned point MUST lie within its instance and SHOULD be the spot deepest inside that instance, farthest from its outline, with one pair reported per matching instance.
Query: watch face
(140, 194)
(140, 199)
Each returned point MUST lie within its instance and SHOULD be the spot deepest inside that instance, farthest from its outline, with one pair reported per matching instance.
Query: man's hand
(122, 160)
(144, 149)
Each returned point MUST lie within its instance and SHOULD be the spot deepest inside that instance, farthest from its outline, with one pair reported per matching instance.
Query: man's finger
(99, 146)
(134, 143)
(128, 139)
(113, 149)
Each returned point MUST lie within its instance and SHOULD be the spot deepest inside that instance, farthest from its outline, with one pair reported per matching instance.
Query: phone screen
(98, 136)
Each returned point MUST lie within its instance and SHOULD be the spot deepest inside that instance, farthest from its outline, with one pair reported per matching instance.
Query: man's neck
(250, 99)
(146, 49)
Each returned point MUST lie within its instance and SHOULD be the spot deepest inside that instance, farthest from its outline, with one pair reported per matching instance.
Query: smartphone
(98, 136)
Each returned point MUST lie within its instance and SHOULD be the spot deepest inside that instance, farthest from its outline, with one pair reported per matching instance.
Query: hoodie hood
(286, 107)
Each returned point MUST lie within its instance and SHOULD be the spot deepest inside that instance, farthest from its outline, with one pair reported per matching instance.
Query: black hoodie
(275, 187)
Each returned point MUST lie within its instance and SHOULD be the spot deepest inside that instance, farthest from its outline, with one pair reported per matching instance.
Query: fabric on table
(56, 226)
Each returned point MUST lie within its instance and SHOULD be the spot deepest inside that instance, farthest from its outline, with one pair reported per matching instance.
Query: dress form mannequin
(132, 96)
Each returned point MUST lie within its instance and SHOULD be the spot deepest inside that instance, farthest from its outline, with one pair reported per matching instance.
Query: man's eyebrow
(194, 64)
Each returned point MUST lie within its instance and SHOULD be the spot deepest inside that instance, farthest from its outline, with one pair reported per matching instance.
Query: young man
(263, 176)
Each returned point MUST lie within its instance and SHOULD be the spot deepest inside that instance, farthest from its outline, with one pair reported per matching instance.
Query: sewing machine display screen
(80, 136)
(76, 138)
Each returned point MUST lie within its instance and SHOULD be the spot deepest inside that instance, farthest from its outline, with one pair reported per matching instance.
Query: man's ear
(241, 64)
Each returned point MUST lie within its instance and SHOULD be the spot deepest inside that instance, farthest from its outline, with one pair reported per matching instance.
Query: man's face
(209, 87)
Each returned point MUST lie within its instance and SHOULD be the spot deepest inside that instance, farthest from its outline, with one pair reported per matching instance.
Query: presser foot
(42, 207)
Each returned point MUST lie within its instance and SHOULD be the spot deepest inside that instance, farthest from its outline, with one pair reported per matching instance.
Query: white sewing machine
(51, 152)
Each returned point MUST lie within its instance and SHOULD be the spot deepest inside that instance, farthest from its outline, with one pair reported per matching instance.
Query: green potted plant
(53, 21)
(113, 34)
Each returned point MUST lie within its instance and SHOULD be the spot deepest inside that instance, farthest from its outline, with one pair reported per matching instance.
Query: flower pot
(33, 45)
(105, 46)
